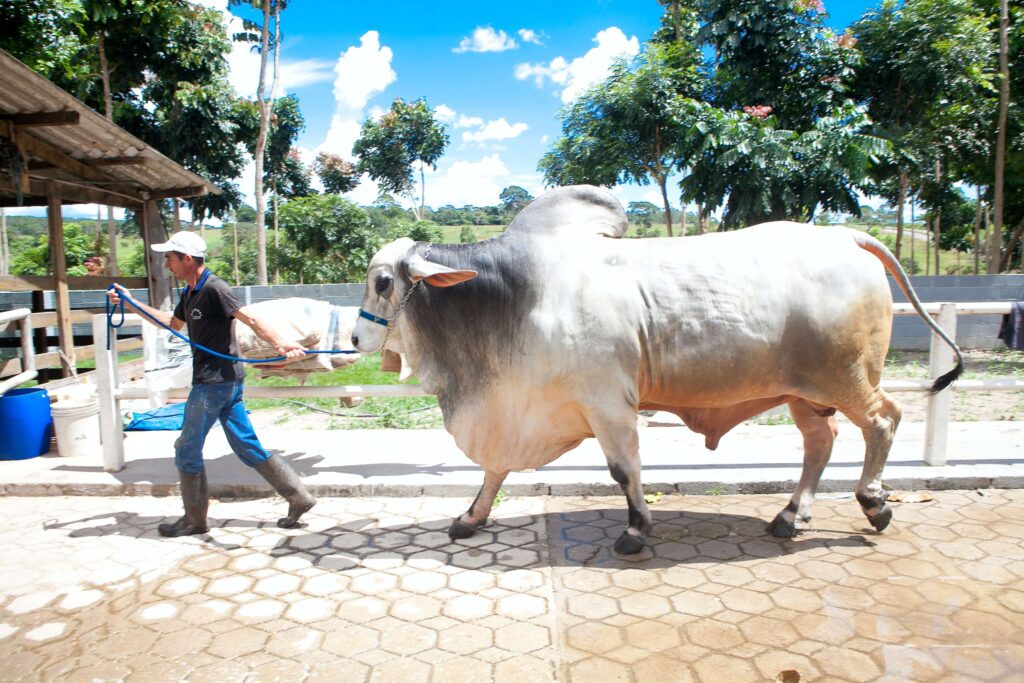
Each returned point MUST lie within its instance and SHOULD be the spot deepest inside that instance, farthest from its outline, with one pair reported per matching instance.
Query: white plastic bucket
(76, 424)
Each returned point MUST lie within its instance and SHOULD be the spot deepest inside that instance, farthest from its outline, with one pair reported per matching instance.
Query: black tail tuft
(947, 379)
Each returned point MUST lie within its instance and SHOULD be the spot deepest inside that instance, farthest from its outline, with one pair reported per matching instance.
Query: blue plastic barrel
(25, 424)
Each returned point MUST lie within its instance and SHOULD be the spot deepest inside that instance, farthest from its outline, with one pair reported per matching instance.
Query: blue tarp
(167, 418)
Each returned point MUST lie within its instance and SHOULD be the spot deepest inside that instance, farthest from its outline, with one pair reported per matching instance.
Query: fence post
(940, 360)
(106, 390)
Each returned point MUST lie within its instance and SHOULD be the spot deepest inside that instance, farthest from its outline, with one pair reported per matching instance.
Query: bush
(425, 231)
(467, 235)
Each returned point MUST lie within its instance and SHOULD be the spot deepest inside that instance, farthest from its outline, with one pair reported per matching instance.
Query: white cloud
(468, 182)
(496, 130)
(528, 35)
(444, 113)
(582, 72)
(303, 72)
(363, 72)
(468, 121)
(486, 39)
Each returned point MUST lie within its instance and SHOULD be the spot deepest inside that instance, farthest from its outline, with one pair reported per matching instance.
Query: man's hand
(290, 349)
(115, 294)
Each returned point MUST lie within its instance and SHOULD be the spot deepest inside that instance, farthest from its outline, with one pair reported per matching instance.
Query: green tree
(624, 129)
(776, 135)
(337, 175)
(37, 260)
(514, 199)
(927, 84)
(330, 232)
(643, 215)
(406, 136)
(467, 235)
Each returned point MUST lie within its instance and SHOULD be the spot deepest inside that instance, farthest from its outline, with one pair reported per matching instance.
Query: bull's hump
(575, 210)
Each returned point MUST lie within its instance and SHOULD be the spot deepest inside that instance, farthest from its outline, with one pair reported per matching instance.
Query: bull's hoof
(628, 544)
(459, 530)
(780, 528)
(881, 519)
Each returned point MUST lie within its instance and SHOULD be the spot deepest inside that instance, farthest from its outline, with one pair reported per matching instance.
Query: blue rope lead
(111, 326)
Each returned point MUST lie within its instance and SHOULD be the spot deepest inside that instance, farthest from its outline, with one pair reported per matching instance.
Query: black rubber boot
(287, 483)
(196, 502)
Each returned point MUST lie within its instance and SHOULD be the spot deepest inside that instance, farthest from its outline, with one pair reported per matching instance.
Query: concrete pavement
(371, 589)
(750, 459)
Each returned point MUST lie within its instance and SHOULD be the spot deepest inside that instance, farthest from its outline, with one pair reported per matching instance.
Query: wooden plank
(12, 366)
(25, 283)
(190, 191)
(55, 224)
(132, 370)
(42, 118)
(47, 152)
(79, 316)
(36, 195)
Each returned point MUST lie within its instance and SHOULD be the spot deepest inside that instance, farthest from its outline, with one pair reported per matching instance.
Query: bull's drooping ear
(436, 275)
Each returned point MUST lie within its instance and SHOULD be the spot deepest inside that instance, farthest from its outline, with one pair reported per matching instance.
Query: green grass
(396, 412)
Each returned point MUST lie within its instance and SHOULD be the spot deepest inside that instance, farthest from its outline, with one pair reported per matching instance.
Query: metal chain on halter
(405, 300)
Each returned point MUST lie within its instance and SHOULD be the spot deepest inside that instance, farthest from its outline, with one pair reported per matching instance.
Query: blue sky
(497, 74)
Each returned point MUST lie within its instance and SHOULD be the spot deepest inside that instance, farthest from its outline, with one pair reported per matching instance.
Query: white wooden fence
(941, 359)
(28, 354)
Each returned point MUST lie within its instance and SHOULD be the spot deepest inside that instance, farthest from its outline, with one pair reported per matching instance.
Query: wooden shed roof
(93, 159)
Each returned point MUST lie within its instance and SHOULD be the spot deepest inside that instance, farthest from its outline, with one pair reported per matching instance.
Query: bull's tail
(869, 243)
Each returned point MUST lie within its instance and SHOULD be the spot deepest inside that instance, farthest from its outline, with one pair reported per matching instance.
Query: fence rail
(941, 360)
(27, 366)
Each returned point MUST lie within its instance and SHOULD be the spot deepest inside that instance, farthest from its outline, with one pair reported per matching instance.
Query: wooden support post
(107, 382)
(159, 281)
(55, 224)
(940, 360)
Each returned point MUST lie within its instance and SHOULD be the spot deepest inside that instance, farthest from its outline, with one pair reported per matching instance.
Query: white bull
(313, 324)
(555, 331)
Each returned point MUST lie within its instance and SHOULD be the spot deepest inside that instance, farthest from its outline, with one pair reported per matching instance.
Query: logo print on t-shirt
(197, 314)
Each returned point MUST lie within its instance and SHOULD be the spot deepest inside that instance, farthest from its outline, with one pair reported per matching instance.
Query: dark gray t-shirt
(207, 312)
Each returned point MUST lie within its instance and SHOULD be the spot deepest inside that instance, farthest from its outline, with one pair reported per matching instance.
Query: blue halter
(374, 318)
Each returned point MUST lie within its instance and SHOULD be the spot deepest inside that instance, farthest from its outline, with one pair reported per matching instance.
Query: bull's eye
(383, 284)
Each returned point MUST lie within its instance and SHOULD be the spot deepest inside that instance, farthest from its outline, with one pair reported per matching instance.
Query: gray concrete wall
(909, 333)
(973, 331)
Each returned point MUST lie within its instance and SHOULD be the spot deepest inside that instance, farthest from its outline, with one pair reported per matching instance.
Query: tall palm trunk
(5, 250)
(901, 198)
(108, 106)
(977, 235)
(938, 219)
(234, 230)
(261, 145)
(1004, 102)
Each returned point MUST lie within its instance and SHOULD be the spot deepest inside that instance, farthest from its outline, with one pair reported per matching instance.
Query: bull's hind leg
(621, 445)
(878, 424)
(818, 427)
(469, 522)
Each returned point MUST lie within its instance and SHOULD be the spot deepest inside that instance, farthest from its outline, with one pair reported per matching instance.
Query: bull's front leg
(469, 522)
(621, 446)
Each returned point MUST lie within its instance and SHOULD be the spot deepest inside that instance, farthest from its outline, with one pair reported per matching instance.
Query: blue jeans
(207, 403)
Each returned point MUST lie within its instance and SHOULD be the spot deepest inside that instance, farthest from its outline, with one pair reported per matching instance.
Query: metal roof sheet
(90, 141)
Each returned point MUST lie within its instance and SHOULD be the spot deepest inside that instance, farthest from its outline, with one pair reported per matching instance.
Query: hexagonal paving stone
(522, 637)
(522, 607)
(416, 608)
(237, 642)
(351, 641)
(593, 637)
(404, 639)
(465, 639)
(468, 608)
(592, 606)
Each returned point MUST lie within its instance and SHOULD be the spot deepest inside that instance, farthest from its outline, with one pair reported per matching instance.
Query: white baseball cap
(184, 242)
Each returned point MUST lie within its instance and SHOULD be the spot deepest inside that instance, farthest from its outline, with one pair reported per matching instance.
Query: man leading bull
(206, 307)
